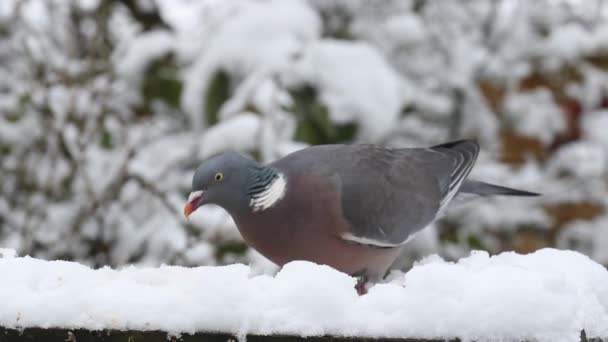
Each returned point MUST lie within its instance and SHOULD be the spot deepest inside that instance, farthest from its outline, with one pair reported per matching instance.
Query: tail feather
(487, 189)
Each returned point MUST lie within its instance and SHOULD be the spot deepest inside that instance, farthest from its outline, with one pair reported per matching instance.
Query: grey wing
(462, 154)
(388, 195)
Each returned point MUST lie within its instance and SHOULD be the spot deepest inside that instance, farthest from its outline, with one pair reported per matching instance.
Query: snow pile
(588, 235)
(258, 37)
(141, 51)
(355, 82)
(549, 295)
(582, 159)
(535, 114)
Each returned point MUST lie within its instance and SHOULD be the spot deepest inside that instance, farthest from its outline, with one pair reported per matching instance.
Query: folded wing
(390, 194)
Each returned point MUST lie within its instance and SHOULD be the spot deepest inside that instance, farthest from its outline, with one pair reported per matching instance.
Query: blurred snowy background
(106, 108)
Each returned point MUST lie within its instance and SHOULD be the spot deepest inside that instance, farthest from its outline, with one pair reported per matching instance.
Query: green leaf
(19, 113)
(161, 82)
(67, 185)
(217, 94)
(106, 140)
(314, 123)
(231, 247)
(255, 154)
(407, 110)
(475, 242)
(5, 149)
(448, 232)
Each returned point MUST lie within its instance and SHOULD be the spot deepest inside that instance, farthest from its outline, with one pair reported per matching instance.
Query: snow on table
(549, 295)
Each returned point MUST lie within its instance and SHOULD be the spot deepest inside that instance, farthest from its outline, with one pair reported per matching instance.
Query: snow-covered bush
(106, 108)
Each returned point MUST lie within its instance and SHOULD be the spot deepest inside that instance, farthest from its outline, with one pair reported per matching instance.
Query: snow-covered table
(549, 295)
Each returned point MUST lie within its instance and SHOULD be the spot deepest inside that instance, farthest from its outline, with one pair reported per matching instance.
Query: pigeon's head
(221, 180)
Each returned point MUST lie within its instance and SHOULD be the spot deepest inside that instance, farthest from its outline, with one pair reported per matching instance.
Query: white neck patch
(270, 195)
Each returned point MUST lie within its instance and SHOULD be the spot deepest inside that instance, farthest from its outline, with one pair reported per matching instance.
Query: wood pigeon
(352, 207)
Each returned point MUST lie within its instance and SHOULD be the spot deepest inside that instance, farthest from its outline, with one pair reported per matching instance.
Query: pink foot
(361, 285)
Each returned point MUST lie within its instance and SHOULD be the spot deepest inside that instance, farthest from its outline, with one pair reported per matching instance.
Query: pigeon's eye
(219, 177)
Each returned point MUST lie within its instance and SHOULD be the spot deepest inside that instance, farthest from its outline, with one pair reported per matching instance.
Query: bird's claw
(361, 285)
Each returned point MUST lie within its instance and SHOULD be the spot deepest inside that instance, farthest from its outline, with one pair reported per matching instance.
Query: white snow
(549, 295)
(173, 149)
(355, 82)
(573, 40)
(241, 37)
(535, 114)
(583, 159)
(239, 133)
(132, 60)
(595, 126)
(7, 253)
(590, 236)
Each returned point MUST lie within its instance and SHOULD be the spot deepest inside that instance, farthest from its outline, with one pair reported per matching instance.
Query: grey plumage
(486, 189)
(349, 206)
(388, 194)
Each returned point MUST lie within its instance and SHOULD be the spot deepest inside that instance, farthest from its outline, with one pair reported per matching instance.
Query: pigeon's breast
(306, 224)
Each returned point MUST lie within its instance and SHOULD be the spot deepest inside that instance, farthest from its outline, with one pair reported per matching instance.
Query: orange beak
(188, 209)
(193, 203)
